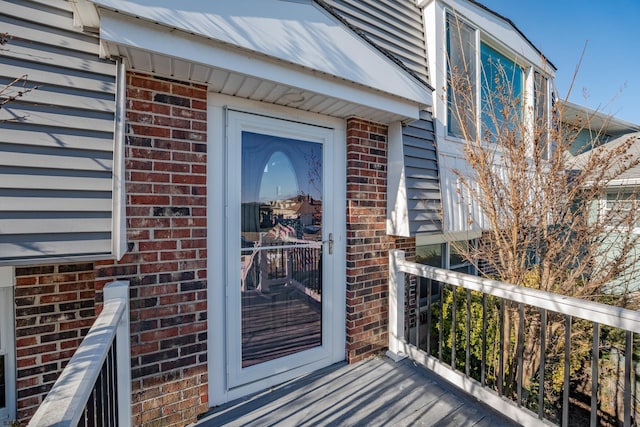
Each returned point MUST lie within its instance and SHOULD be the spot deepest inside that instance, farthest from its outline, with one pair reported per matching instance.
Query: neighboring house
(162, 146)
(602, 134)
(589, 128)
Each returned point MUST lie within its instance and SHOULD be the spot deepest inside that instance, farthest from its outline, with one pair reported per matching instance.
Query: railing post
(120, 291)
(396, 306)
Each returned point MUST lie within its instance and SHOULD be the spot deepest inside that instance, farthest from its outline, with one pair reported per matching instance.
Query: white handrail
(604, 314)
(65, 402)
(399, 347)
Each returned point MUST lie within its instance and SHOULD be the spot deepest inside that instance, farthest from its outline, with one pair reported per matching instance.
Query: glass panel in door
(280, 248)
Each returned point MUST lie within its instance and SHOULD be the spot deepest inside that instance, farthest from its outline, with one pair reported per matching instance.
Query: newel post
(119, 291)
(396, 306)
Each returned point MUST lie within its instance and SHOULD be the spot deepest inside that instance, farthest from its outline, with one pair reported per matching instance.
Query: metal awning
(285, 52)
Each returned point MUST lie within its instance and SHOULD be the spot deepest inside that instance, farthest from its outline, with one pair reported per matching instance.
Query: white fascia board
(126, 31)
(85, 15)
(626, 182)
(499, 33)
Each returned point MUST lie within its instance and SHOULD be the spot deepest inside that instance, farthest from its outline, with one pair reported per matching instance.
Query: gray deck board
(376, 392)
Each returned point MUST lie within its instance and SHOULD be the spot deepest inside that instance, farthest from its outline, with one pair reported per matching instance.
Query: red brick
(165, 169)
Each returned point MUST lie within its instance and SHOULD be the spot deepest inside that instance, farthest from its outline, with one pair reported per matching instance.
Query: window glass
(457, 260)
(619, 204)
(461, 77)
(541, 111)
(502, 83)
(430, 255)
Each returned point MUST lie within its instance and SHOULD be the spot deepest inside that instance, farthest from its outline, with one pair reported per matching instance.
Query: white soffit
(280, 42)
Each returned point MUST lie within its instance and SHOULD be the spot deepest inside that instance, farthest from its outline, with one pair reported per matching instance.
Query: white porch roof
(285, 52)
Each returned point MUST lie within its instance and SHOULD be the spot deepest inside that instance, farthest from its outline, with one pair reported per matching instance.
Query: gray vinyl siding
(394, 25)
(422, 178)
(397, 27)
(57, 141)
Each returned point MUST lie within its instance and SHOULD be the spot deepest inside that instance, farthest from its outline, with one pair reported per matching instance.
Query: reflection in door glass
(281, 249)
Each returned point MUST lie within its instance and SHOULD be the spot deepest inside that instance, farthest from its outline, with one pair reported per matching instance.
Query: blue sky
(609, 77)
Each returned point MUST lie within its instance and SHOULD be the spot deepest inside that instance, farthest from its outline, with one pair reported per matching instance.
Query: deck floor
(375, 392)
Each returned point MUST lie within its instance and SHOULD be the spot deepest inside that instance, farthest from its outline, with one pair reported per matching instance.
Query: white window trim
(528, 69)
(505, 41)
(7, 340)
(604, 210)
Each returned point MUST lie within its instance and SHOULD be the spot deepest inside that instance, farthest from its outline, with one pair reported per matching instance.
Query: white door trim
(218, 261)
(7, 342)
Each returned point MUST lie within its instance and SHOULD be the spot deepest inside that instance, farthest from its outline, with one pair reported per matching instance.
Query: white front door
(281, 301)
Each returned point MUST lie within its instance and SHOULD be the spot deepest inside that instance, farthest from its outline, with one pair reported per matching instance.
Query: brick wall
(54, 311)
(367, 242)
(166, 262)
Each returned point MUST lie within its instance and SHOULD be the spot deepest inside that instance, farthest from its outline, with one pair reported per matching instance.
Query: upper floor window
(461, 75)
(487, 88)
(502, 94)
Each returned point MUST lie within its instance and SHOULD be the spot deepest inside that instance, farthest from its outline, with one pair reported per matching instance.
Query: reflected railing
(281, 298)
(535, 356)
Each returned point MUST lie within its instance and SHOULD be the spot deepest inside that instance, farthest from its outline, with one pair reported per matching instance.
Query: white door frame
(222, 266)
(7, 341)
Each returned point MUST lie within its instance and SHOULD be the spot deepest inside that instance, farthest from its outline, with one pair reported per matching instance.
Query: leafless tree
(544, 215)
(15, 89)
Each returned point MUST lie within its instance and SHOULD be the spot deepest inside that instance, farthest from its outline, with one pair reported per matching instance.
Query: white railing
(515, 315)
(94, 389)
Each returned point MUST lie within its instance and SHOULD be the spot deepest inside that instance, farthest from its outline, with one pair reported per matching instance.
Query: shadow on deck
(369, 393)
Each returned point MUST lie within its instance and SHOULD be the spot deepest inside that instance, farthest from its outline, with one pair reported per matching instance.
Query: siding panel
(57, 141)
(422, 178)
(394, 25)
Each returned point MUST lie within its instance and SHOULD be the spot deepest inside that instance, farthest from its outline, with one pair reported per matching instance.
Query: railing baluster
(441, 322)
(628, 359)
(429, 304)
(520, 352)
(543, 357)
(453, 327)
(567, 364)
(418, 308)
(502, 349)
(467, 359)
(483, 362)
(91, 409)
(595, 357)
(116, 409)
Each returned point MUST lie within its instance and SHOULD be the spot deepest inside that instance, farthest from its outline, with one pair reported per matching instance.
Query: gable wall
(395, 25)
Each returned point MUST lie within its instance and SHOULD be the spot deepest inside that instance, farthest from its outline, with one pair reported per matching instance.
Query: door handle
(330, 242)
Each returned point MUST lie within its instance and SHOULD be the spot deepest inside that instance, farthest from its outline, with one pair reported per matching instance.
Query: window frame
(529, 71)
(619, 196)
